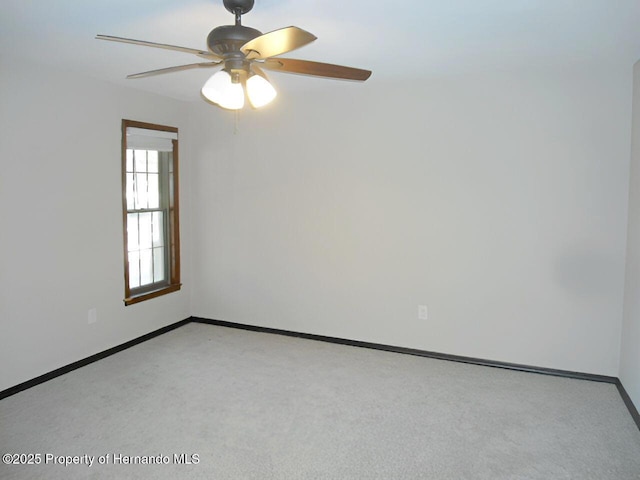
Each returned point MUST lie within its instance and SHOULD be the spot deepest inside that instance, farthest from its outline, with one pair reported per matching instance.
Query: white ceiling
(397, 40)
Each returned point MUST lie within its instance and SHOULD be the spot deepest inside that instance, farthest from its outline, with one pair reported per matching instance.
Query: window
(150, 210)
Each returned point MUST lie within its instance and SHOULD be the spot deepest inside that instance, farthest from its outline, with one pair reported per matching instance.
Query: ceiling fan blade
(316, 69)
(201, 53)
(258, 71)
(174, 69)
(277, 42)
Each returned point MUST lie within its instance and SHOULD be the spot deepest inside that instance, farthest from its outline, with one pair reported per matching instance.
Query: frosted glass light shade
(221, 90)
(260, 91)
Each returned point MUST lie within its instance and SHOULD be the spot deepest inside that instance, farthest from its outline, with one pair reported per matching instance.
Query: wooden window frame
(173, 237)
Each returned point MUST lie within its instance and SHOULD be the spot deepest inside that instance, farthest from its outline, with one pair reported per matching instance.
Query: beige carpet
(245, 405)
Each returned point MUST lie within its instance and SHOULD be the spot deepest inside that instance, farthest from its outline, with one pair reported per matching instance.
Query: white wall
(61, 230)
(630, 355)
(498, 199)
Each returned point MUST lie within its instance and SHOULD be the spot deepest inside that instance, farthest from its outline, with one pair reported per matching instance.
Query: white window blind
(143, 139)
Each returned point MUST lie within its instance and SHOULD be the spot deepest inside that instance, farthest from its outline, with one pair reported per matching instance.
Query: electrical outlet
(92, 317)
(423, 312)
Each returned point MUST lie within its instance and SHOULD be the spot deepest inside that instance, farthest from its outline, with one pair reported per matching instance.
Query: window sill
(149, 295)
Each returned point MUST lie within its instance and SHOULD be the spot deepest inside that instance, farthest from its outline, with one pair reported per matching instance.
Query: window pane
(145, 230)
(152, 159)
(158, 264)
(132, 232)
(154, 190)
(141, 191)
(134, 269)
(130, 195)
(146, 267)
(151, 219)
(129, 160)
(158, 229)
(140, 158)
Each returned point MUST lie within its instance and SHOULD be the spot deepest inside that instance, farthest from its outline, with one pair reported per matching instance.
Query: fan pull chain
(236, 115)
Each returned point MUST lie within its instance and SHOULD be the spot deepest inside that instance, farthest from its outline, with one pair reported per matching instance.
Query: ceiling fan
(244, 53)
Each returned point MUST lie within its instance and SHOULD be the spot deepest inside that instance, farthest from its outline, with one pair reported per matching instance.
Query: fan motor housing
(228, 39)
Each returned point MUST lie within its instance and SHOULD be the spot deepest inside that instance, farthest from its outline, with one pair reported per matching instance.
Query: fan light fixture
(222, 90)
(260, 91)
(226, 90)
